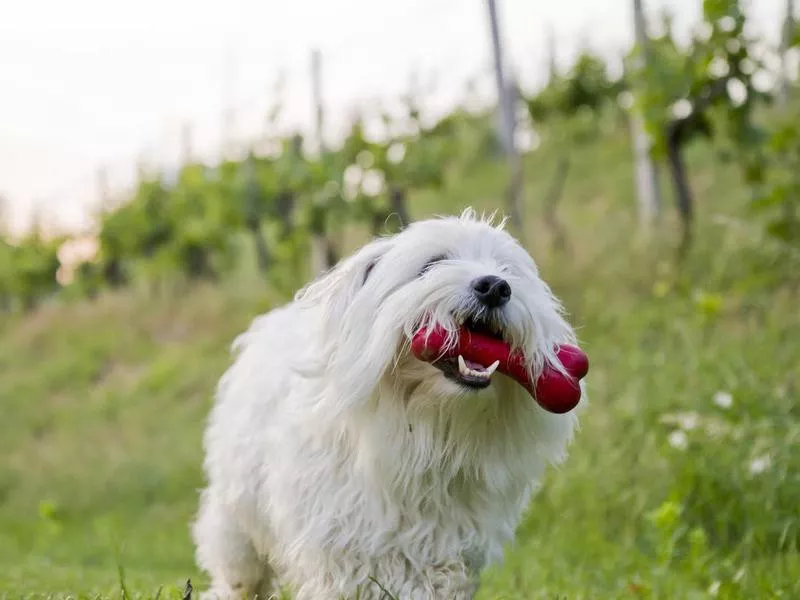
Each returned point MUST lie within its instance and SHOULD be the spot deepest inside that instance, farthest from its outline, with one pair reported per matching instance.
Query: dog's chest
(438, 491)
(449, 516)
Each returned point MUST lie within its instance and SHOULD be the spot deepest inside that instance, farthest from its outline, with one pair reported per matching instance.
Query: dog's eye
(432, 262)
(368, 270)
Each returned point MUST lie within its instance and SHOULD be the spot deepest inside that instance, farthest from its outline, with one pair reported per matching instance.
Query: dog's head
(453, 276)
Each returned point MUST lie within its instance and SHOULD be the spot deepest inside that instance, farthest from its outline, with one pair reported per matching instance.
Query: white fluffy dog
(341, 465)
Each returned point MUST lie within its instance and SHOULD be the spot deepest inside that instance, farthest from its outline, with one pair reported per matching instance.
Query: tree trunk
(323, 249)
(323, 253)
(560, 243)
(28, 303)
(262, 252)
(197, 262)
(507, 102)
(678, 132)
(785, 79)
(331, 254)
(515, 191)
(113, 273)
(683, 193)
(379, 219)
(285, 205)
(399, 205)
(647, 189)
(319, 254)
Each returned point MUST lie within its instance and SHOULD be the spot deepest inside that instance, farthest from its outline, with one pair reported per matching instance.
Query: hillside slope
(683, 481)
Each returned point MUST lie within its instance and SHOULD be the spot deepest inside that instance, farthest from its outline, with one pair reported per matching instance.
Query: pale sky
(91, 82)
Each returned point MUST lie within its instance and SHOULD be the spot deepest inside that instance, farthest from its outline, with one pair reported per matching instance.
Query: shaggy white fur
(338, 464)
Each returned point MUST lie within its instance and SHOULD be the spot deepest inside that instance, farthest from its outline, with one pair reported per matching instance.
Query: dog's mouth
(468, 370)
(481, 349)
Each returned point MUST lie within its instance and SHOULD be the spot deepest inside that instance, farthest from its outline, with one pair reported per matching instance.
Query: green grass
(104, 402)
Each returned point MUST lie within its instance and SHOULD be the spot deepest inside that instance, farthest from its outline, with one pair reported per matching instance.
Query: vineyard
(683, 482)
(290, 206)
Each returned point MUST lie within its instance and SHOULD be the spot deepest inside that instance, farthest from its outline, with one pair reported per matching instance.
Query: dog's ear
(370, 266)
(335, 290)
(351, 365)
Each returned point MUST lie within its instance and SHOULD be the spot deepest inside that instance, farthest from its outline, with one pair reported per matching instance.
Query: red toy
(554, 391)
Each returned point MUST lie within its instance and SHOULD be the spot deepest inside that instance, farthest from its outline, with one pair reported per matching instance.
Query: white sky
(91, 82)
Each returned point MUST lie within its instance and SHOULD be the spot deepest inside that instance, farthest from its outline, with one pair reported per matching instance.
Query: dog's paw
(233, 594)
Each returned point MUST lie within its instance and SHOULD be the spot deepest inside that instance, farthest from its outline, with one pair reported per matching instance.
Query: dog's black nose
(491, 291)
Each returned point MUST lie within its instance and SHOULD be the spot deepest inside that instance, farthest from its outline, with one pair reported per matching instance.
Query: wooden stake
(507, 105)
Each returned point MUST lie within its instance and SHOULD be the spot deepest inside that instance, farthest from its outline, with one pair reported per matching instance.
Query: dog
(342, 463)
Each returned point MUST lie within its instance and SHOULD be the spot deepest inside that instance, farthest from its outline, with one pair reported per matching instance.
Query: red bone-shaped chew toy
(554, 391)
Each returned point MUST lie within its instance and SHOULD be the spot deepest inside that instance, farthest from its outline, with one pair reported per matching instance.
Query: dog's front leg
(226, 552)
(450, 580)
(390, 578)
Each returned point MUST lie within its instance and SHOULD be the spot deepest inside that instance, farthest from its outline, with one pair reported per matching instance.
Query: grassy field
(684, 481)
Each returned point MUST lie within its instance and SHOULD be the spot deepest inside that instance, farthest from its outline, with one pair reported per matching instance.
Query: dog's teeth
(462, 366)
(467, 372)
(480, 374)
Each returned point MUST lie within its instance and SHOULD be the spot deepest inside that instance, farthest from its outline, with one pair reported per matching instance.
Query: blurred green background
(684, 481)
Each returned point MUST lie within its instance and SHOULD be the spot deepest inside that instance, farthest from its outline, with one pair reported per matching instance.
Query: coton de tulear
(383, 433)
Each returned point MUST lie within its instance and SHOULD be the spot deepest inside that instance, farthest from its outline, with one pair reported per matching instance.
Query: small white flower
(682, 109)
(715, 430)
(688, 421)
(727, 23)
(412, 129)
(523, 140)
(372, 184)
(396, 153)
(678, 440)
(625, 100)
(353, 175)
(737, 91)
(760, 464)
(704, 31)
(723, 399)
(365, 159)
(750, 29)
(747, 66)
(350, 193)
(762, 81)
(771, 61)
(331, 188)
(718, 68)
(713, 589)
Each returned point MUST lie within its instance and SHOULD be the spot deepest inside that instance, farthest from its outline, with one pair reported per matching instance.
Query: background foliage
(685, 479)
